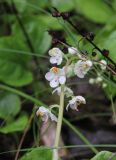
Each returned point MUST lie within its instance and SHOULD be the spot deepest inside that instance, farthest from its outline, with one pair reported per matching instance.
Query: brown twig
(66, 17)
(23, 136)
(67, 46)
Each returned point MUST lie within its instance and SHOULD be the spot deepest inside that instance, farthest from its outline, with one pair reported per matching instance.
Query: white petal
(45, 118)
(59, 60)
(55, 90)
(99, 79)
(103, 64)
(79, 72)
(72, 50)
(58, 90)
(81, 75)
(91, 80)
(67, 106)
(53, 117)
(80, 99)
(89, 63)
(55, 51)
(62, 71)
(62, 79)
(54, 83)
(74, 106)
(43, 109)
(73, 100)
(49, 76)
(53, 60)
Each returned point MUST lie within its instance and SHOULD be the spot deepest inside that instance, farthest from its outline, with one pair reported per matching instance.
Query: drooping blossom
(75, 102)
(67, 91)
(45, 114)
(103, 64)
(82, 67)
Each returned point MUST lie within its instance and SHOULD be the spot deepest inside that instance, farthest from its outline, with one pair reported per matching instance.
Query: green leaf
(30, 6)
(110, 44)
(9, 105)
(96, 10)
(110, 89)
(37, 32)
(16, 126)
(63, 5)
(14, 74)
(103, 155)
(14, 66)
(114, 4)
(50, 22)
(37, 154)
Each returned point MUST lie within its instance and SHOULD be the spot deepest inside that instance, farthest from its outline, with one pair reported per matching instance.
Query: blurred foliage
(104, 155)
(15, 126)
(37, 154)
(17, 57)
(9, 105)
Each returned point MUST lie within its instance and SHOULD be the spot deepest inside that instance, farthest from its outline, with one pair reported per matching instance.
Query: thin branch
(23, 137)
(66, 17)
(91, 42)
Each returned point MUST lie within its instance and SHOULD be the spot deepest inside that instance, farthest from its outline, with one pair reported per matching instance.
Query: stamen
(55, 69)
(41, 114)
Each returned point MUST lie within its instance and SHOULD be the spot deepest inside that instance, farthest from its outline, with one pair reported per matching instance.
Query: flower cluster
(76, 65)
(99, 79)
(57, 77)
(45, 114)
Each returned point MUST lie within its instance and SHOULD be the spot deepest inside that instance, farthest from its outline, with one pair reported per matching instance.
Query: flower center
(41, 114)
(85, 66)
(55, 69)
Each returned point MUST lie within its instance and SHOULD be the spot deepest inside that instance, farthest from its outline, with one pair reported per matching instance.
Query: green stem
(113, 108)
(36, 101)
(20, 93)
(60, 117)
(59, 123)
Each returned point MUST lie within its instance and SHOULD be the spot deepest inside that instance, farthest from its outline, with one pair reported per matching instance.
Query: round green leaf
(95, 10)
(110, 44)
(103, 155)
(36, 154)
(63, 5)
(14, 66)
(9, 105)
(16, 126)
(37, 32)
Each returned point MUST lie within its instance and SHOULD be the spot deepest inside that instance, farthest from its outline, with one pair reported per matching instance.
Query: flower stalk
(59, 123)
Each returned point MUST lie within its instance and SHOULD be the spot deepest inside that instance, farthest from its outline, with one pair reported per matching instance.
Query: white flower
(45, 114)
(56, 76)
(82, 67)
(72, 50)
(67, 91)
(103, 64)
(91, 80)
(104, 85)
(75, 102)
(98, 80)
(70, 70)
(56, 56)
